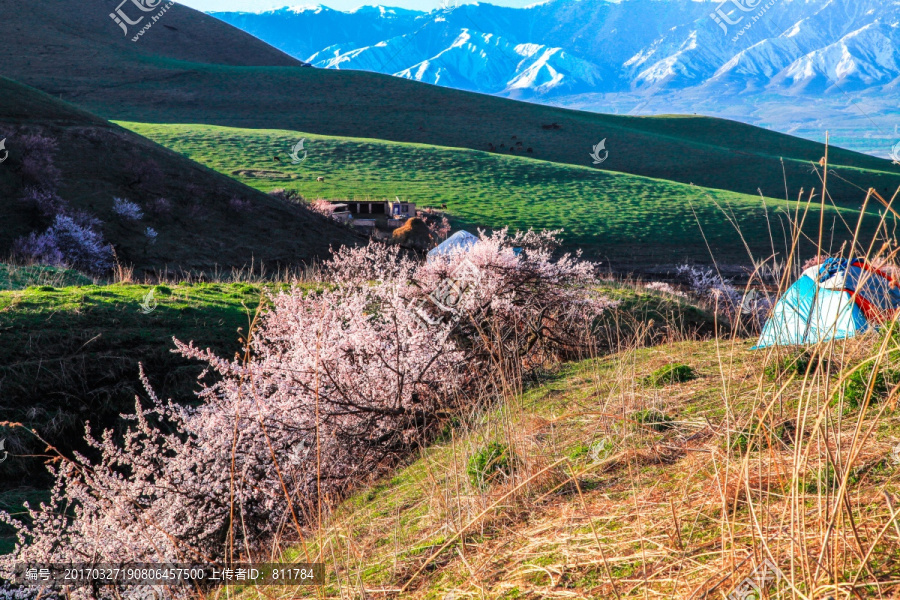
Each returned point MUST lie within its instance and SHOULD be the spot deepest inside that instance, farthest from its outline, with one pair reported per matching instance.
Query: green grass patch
(669, 374)
(856, 387)
(490, 464)
(14, 277)
(800, 364)
(628, 218)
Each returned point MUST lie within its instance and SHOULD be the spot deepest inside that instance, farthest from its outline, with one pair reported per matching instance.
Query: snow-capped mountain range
(746, 59)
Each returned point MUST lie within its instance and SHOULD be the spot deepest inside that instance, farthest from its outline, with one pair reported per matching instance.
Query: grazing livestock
(276, 159)
(320, 179)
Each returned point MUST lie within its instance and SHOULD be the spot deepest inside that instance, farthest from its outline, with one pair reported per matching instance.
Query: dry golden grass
(757, 470)
(687, 512)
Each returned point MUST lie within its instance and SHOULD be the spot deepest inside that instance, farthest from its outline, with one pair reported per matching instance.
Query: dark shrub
(70, 241)
(239, 205)
(159, 207)
(37, 160)
(287, 195)
(43, 201)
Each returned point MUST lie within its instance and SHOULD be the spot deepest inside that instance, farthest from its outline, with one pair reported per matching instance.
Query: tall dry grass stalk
(775, 468)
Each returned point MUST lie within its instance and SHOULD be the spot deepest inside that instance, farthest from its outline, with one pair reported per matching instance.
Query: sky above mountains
(260, 5)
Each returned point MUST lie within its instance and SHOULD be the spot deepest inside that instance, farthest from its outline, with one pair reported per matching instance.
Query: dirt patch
(262, 174)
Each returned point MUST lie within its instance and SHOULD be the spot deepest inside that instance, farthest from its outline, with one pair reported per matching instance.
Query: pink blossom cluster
(438, 224)
(71, 241)
(664, 288)
(72, 238)
(322, 207)
(336, 386)
(750, 307)
(127, 209)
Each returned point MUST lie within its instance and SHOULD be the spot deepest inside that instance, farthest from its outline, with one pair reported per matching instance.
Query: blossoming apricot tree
(335, 386)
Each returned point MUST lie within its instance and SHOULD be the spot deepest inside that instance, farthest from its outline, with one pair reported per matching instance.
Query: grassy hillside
(86, 342)
(71, 353)
(206, 220)
(627, 220)
(166, 78)
(622, 487)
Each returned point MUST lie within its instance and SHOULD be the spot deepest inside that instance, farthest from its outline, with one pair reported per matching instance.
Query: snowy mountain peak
(579, 52)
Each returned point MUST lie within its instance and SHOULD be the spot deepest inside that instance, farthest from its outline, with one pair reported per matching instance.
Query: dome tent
(835, 300)
(461, 241)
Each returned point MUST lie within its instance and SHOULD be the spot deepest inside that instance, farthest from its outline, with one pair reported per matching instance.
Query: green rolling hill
(626, 220)
(209, 221)
(186, 70)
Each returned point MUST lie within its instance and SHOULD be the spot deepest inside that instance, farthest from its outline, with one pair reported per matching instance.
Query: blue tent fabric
(838, 300)
(461, 241)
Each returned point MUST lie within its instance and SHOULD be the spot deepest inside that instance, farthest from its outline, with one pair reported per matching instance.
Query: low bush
(44, 202)
(800, 363)
(292, 196)
(757, 436)
(71, 241)
(856, 387)
(127, 209)
(38, 167)
(669, 374)
(239, 205)
(159, 207)
(653, 419)
(490, 464)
